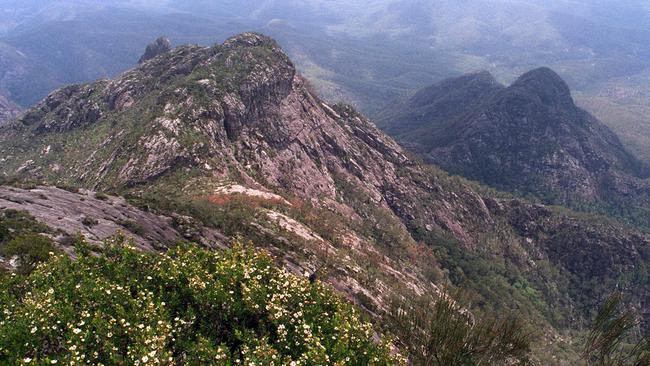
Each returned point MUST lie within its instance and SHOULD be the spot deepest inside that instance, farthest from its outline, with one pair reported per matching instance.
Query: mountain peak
(482, 76)
(477, 82)
(528, 137)
(545, 83)
(424, 112)
(158, 47)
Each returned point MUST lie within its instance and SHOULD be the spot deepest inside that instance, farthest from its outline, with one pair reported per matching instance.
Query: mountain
(431, 107)
(231, 137)
(366, 54)
(529, 137)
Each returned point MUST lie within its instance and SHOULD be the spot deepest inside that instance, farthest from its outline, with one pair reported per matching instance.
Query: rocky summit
(158, 47)
(529, 138)
(230, 141)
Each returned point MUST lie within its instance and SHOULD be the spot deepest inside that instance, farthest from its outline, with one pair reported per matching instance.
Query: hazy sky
(585, 40)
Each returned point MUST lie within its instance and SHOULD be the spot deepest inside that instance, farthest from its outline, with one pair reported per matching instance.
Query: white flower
(76, 331)
(27, 360)
(145, 358)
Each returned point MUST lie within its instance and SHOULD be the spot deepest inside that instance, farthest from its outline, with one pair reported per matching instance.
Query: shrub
(89, 221)
(68, 188)
(30, 250)
(188, 306)
(14, 223)
(611, 341)
(101, 196)
(132, 226)
(440, 332)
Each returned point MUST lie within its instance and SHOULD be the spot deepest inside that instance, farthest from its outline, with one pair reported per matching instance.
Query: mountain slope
(529, 137)
(231, 135)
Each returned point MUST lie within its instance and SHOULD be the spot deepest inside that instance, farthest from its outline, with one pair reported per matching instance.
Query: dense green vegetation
(29, 250)
(15, 223)
(187, 306)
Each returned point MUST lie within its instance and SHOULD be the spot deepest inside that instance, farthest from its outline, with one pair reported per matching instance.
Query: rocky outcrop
(98, 216)
(156, 48)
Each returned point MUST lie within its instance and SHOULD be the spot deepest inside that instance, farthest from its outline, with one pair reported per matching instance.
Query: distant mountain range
(366, 54)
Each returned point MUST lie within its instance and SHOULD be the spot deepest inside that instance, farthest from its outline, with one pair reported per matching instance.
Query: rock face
(236, 119)
(529, 137)
(156, 48)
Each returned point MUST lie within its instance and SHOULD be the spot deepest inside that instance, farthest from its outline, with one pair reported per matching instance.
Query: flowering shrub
(188, 306)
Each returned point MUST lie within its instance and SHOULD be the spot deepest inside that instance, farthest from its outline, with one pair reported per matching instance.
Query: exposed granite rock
(156, 48)
(65, 211)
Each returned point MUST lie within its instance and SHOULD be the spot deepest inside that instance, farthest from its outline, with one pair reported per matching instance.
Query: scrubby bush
(14, 223)
(89, 221)
(29, 249)
(132, 226)
(21, 238)
(68, 187)
(441, 332)
(101, 196)
(188, 306)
